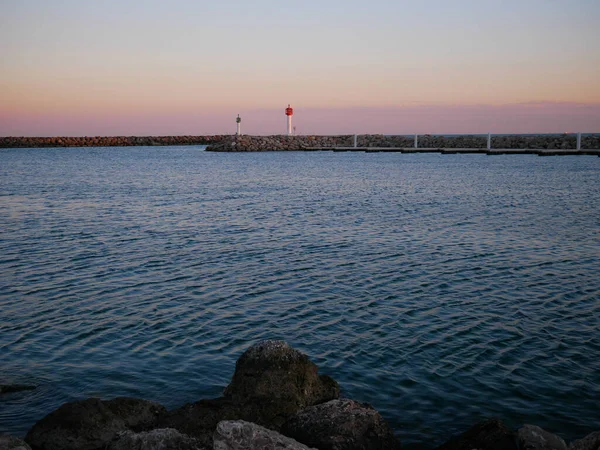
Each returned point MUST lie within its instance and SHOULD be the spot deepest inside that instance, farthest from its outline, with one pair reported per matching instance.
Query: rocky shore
(276, 400)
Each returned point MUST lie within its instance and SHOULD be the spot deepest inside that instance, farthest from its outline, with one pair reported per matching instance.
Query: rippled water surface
(441, 289)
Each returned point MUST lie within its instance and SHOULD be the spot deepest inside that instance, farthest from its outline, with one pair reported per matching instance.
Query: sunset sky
(125, 67)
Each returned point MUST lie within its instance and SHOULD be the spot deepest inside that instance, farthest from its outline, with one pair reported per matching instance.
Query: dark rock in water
(590, 442)
(272, 381)
(341, 425)
(160, 439)
(532, 437)
(491, 434)
(12, 443)
(241, 435)
(8, 388)
(90, 424)
(280, 379)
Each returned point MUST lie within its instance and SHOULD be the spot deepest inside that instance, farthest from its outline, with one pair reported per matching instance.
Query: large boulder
(12, 443)
(272, 381)
(280, 379)
(241, 435)
(92, 423)
(491, 434)
(532, 437)
(159, 439)
(590, 442)
(341, 425)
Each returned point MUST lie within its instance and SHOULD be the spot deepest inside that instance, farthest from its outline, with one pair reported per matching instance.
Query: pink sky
(73, 67)
(541, 117)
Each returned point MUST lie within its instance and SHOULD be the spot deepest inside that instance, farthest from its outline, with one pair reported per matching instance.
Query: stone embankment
(105, 141)
(276, 400)
(247, 143)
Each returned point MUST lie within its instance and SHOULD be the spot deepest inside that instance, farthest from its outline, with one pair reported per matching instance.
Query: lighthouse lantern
(289, 112)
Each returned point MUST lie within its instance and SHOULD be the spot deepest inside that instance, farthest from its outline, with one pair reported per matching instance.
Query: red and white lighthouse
(289, 112)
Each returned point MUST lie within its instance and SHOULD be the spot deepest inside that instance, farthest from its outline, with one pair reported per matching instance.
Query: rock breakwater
(248, 143)
(105, 141)
(276, 400)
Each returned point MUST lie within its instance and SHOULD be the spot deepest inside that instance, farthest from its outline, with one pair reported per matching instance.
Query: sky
(188, 67)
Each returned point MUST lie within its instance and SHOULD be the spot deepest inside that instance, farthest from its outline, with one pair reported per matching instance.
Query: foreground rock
(91, 424)
(280, 379)
(241, 435)
(341, 425)
(12, 443)
(491, 434)
(532, 437)
(272, 381)
(590, 442)
(160, 439)
(8, 388)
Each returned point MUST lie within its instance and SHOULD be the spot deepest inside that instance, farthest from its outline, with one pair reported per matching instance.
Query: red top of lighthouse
(289, 111)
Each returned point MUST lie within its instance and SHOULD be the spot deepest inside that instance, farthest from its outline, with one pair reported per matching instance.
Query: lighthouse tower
(239, 125)
(289, 112)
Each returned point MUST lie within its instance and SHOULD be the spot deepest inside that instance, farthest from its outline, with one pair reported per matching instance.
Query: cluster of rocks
(276, 400)
(105, 141)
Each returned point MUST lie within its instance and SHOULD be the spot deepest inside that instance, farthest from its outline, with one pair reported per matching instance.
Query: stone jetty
(277, 400)
(503, 144)
(105, 141)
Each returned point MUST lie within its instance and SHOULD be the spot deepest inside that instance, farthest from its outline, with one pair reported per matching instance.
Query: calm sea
(440, 289)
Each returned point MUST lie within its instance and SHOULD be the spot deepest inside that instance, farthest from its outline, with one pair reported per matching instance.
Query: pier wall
(277, 143)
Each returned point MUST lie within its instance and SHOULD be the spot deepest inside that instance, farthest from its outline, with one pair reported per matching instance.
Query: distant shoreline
(555, 144)
(105, 141)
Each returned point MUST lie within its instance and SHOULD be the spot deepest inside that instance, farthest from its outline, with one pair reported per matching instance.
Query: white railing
(489, 137)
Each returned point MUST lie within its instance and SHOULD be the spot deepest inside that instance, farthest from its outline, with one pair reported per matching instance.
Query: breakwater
(105, 141)
(246, 143)
(562, 142)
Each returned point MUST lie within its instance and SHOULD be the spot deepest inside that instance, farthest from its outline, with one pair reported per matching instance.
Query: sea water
(442, 289)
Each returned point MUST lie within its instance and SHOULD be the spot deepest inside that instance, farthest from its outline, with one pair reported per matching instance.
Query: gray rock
(91, 424)
(241, 435)
(12, 443)
(532, 437)
(341, 425)
(8, 388)
(280, 379)
(590, 442)
(491, 434)
(160, 439)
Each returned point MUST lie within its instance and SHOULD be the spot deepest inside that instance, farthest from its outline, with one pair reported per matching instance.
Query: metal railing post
(489, 141)
(355, 141)
(578, 141)
(416, 141)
